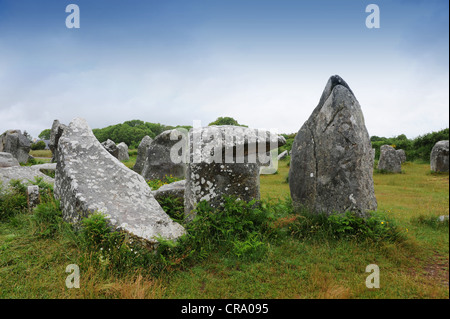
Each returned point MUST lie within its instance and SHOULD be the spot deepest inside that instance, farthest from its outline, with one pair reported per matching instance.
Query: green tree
(39, 145)
(45, 134)
(226, 121)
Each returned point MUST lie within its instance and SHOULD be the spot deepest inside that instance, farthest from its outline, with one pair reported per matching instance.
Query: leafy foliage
(418, 149)
(226, 121)
(45, 134)
(39, 145)
(131, 132)
(13, 199)
(348, 226)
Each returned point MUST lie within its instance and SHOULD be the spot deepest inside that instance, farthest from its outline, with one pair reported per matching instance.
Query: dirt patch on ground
(438, 271)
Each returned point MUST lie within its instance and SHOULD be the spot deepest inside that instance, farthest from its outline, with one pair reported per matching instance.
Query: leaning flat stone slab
(23, 173)
(89, 179)
(175, 189)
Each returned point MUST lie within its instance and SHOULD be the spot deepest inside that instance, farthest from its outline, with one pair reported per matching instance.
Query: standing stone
(332, 159)
(142, 154)
(15, 143)
(33, 197)
(401, 153)
(390, 160)
(225, 160)
(439, 157)
(89, 179)
(158, 162)
(7, 160)
(111, 147)
(373, 152)
(123, 152)
(55, 134)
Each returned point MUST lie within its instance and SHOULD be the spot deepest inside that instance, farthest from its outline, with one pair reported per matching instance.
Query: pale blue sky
(263, 62)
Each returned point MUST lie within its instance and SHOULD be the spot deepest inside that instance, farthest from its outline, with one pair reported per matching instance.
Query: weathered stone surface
(7, 160)
(142, 154)
(55, 134)
(439, 161)
(14, 142)
(401, 153)
(25, 173)
(33, 196)
(389, 161)
(158, 162)
(89, 179)
(111, 147)
(225, 160)
(123, 152)
(332, 159)
(175, 189)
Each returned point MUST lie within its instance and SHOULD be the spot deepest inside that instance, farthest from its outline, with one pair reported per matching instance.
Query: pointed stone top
(333, 81)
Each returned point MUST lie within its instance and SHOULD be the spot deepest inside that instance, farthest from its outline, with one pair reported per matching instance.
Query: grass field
(32, 265)
(41, 153)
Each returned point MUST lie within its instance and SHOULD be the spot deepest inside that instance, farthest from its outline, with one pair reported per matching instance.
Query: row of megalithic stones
(331, 169)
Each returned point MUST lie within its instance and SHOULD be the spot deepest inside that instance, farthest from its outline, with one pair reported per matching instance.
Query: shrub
(237, 229)
(39, 145)
(173, 206)
(348, 226)
(13, 199)
(47, 219)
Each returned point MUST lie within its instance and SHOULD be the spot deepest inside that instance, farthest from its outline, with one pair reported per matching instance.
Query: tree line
(132, 132)
(417, 149)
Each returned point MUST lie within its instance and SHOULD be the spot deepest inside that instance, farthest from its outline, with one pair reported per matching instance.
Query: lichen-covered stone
(390, 160)
(158, 162)
(89, 179)
(26, 173)
(439, 157)
(225, 161)
(15, 143)
(7, 160)
(33, 196)
(123, 152)
(332, 159)
(142, 154)
(111, 147)
(402, 155)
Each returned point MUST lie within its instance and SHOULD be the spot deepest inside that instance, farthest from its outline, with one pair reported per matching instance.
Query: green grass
(132, 160)
(41, 153)
(293, 256)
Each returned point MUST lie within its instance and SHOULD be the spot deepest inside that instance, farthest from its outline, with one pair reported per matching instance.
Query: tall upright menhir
(332, 158)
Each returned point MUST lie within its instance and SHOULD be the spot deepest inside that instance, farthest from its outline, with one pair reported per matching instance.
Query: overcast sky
(262, 62)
